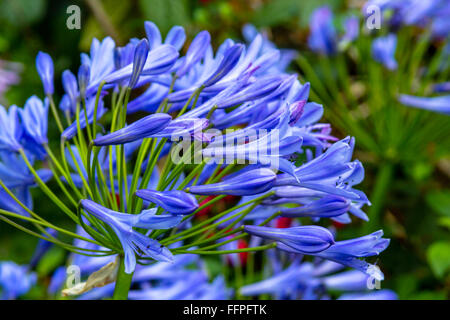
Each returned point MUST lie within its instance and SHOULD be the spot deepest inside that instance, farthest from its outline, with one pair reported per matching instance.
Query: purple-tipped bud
(83, 79)
(229, 61)
(306, 239)
(70, 86)
(140, 56)
(245, 184)
(140, 129)
(175, 202)
(45, 69)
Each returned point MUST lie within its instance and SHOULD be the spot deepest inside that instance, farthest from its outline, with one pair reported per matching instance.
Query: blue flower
(383, 51)
(140, 129)
(44, 66)
(195, 52)
(229, 61)
(246, 183)
(34, 118)
(436, 104)
(132, 241)
(175, 202)
(323, 38)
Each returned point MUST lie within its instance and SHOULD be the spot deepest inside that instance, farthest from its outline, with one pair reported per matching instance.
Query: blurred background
(411, 198)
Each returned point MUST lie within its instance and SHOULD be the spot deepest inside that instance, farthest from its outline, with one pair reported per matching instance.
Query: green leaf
(22, 12)
(50, 261)
(165, 13)
(438, 255)
(439, 201)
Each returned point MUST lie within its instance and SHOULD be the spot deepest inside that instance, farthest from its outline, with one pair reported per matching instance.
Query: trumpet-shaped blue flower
(142, 128)
(84, 73)
(140, 56)
(132, 241)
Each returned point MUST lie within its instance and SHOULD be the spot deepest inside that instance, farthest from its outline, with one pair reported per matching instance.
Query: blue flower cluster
(129, 197)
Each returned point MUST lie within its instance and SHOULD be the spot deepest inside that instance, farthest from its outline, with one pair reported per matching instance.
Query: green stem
(123, 282)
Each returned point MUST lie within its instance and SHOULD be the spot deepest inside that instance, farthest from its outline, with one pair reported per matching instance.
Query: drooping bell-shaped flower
(176, 202)
(132, 241)
(140, 129)
(83, 79)
(307, 239)
(45, 69)
(140, 56)
(247, 183)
